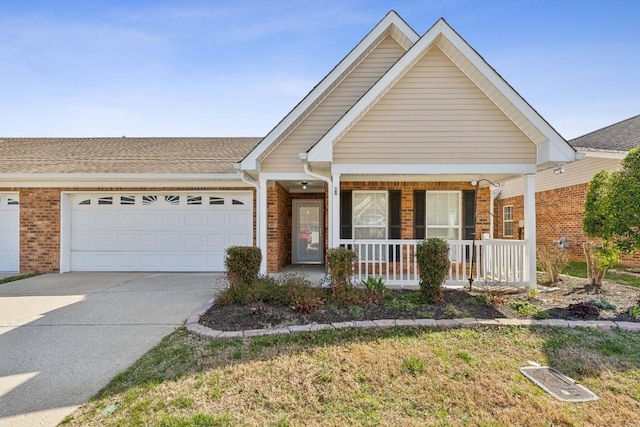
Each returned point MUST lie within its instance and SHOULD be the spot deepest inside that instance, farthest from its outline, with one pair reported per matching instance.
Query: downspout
(307, 170)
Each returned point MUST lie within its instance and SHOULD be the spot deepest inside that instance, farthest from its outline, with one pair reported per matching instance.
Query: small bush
(340, 262)
(242, 264)
(603, 304)
(433, 265)
(634, 311)
(552, 260)
(300, 295)
(375, 288)
(262, 289)
(526, 308)
(347, 296)
(600, 258)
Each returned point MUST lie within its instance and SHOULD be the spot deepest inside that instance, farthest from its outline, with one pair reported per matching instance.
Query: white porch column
(530, 227)
(335, 211)
(261, 231)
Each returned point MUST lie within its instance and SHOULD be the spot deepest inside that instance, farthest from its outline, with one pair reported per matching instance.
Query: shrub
(552, 260)
(242, 264)
(300, 295)
(433, 265)
(340, 262)
(603, 304)
(527, 309)
(634, 311)
(375, 288)
(599, 259)
(262, 289)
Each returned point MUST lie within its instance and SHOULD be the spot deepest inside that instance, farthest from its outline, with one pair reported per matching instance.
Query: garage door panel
(239, 240)
(242, 219)
(158, 232)
(194, 241)
(194, 221)
(172, 220)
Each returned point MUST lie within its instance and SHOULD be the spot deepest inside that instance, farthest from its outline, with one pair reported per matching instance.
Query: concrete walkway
(64, 336)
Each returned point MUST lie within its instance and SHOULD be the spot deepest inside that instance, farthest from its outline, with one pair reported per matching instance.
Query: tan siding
(490, 90)
(284, 158)
(434, 114)
(575, 173)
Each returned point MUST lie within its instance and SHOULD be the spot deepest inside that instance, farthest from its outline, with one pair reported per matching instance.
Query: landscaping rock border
(197, 329)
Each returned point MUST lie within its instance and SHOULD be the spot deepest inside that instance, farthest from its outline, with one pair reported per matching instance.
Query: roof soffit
(551, 145)
(391, 25)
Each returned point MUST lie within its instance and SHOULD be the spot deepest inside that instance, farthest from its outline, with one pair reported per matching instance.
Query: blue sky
(235, 68)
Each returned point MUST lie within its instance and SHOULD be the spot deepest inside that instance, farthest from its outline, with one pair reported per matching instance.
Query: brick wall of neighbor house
(559, 213)
(40, 222)
(407, 189)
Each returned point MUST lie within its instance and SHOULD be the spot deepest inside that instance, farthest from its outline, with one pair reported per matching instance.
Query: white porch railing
(495, 261)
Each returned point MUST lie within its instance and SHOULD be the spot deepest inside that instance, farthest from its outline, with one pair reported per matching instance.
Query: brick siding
(559, 213)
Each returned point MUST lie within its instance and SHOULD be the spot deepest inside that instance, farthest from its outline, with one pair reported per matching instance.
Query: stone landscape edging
(194, 327)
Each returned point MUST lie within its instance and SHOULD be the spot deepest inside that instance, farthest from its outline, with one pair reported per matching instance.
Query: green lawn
(579, 269)
(399, 376)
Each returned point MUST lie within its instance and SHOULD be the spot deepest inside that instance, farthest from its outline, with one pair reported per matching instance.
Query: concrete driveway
(64, 336)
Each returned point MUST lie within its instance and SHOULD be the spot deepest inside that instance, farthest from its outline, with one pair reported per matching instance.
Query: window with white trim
(507, 221)
(370, 214)
(443, 214)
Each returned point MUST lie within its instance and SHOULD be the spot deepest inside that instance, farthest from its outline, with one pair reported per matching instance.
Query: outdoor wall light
(559, 170)
(304, 185)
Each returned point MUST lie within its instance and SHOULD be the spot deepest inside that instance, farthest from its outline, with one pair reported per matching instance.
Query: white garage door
(9, 233)
(158, 231)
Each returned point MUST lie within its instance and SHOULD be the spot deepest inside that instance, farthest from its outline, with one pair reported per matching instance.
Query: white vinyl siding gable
(284, 158)
(435, 114)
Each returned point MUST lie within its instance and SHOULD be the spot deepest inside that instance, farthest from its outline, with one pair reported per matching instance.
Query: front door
(308, 232)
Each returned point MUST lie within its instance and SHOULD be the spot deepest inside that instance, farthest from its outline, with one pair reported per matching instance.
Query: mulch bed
(483, 303)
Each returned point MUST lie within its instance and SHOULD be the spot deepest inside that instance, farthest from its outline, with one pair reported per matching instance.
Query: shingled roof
(122, 155)
(621, 136)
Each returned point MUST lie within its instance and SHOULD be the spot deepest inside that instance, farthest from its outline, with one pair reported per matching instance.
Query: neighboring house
(560, 192)
(382, 152)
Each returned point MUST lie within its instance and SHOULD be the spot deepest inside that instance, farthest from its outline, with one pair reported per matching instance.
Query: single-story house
(561, 191)
(400, 141)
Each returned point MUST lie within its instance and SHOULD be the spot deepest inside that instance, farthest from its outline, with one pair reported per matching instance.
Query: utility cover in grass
(557, 384)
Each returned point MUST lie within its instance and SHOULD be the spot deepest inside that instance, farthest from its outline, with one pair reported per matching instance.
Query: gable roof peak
(391, 25)
(552, 147)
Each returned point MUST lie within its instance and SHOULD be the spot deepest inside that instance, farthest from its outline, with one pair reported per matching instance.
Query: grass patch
(17, 277)
(396, 376)
(579, 269)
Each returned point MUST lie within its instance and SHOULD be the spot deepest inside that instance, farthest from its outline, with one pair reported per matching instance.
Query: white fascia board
(432, 169)
(560, 147)
(96, 180)
(250, 162)
(322, 151)
(603, 154)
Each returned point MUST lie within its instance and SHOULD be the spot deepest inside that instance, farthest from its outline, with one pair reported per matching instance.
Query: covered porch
(383, 222)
